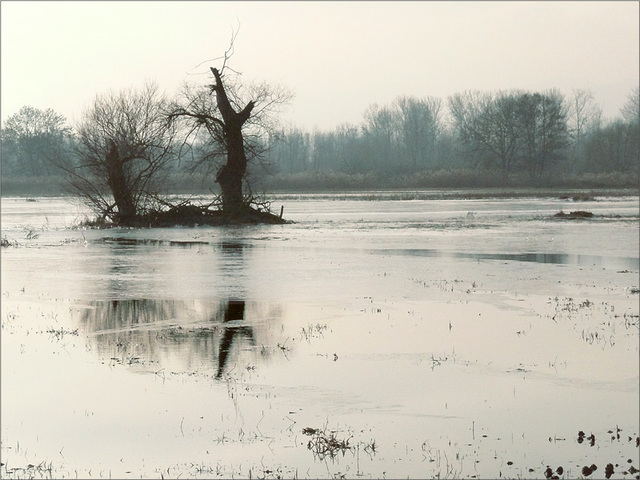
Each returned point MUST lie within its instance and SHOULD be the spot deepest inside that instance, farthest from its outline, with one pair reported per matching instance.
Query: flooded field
(372, 338)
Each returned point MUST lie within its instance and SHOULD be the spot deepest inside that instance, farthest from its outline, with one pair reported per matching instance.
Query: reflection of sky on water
(164, 269)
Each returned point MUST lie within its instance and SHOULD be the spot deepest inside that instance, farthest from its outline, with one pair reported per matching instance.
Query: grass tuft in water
(324, 443)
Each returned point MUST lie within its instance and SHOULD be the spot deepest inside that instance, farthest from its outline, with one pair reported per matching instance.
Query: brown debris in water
(325, 443)
(573, 215)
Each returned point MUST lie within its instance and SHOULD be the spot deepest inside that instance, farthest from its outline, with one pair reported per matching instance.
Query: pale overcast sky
(337, 57)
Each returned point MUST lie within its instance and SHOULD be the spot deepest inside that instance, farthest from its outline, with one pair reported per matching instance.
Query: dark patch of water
(621, 263)
(631, 263)
(225, 246)
(126, 242)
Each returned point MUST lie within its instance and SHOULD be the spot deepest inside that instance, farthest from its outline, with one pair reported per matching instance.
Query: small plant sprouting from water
(30, 232)
(630, 320)
(371, 447)
(598, 321)
(42, 470)
(313, 331)
(283, 346)
(437, 361)
(59, 333)
(8, 243)
(325, 443)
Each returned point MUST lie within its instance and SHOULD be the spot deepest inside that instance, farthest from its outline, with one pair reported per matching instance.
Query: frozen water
(448, 337)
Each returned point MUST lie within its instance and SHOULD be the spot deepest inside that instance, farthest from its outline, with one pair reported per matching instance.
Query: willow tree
(124, 147)
(231, 174)
(228, 122)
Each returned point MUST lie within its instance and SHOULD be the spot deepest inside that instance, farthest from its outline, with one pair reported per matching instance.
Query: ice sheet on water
(494, 336)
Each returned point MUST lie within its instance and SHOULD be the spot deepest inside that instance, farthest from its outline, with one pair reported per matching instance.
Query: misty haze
(236, 246)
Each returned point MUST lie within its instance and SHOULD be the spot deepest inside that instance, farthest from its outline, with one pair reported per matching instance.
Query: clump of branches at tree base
(573, 215)
(188, 214)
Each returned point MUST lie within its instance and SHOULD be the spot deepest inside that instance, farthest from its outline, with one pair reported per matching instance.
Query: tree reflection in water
(180, 335)
(233, 313)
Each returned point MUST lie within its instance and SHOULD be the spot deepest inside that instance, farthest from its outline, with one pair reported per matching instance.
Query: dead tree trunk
(117, 182)
(231, 174)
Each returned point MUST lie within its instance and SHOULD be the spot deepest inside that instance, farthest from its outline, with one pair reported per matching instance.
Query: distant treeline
(472, 140)
(475, 139)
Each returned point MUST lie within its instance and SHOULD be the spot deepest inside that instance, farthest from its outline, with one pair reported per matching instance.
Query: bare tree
(381, 131)
(614, 148)
(233, 130)
(511, 131)
(290, 151)
(35, 142)
(583, 114)
(487, 125)
(542, 127)
(583, 117)
(631, 109)
(124, 143)
(420, 126)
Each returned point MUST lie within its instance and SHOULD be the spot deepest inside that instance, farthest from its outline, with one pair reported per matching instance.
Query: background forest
(473, 139)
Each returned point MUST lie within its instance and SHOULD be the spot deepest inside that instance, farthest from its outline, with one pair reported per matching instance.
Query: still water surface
(428, 338)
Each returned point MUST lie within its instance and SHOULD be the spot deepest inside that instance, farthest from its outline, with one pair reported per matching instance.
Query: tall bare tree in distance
(35, 142)
(233, 130)
(584, 116)
(631, 109)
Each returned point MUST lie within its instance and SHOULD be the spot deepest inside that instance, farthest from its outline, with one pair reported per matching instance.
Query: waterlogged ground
(372, 338)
